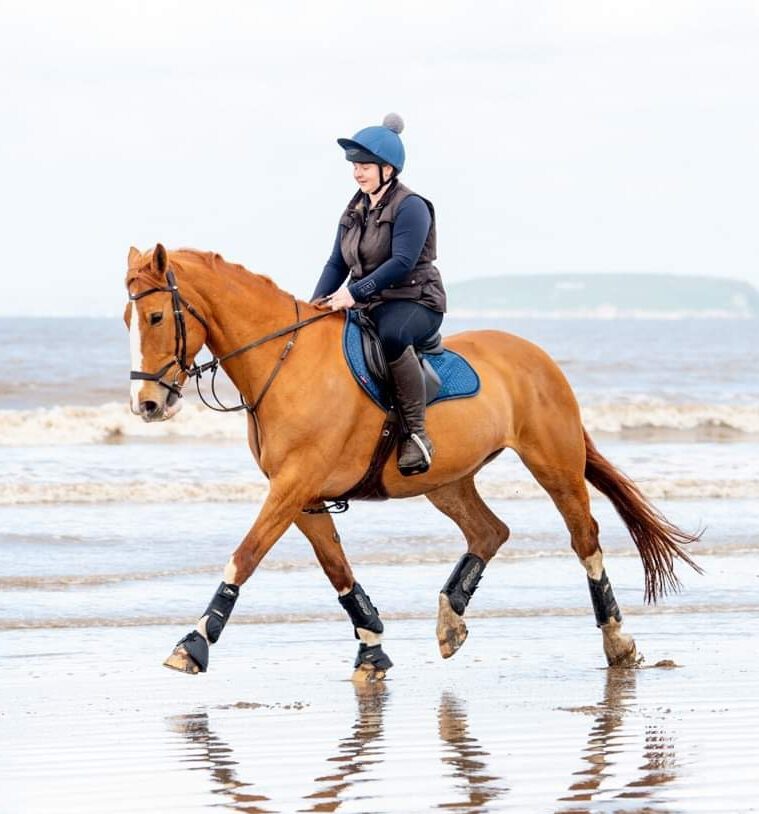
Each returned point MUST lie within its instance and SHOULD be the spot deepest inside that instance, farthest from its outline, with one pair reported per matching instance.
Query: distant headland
(604, 296)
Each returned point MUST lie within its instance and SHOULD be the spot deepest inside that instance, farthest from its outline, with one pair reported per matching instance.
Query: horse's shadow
(605, 740)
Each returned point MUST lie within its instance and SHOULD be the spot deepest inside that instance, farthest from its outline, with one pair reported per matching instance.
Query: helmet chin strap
(383, 182)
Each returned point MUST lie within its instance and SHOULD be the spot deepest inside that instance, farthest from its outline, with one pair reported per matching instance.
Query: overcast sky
(584, 135)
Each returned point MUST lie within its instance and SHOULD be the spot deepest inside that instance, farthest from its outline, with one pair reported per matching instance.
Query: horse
(313, 432)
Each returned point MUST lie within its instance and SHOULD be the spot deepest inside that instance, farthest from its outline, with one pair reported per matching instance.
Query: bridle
(196, 371)
(180, 336)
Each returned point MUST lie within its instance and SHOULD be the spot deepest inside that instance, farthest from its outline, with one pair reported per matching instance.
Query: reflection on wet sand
(356, 752)
(216, 756)
(465, 762)
(606, 739)
(462, 753)
(354, 755)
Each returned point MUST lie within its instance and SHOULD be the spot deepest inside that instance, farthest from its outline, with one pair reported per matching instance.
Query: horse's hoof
(372, 664)
(181, 660)
(619, 648)
(629, 659)
(367, 674)
(451, 629)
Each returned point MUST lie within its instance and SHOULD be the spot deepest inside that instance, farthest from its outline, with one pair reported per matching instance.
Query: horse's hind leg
(562, 475)
(484, 533)
(371, 662)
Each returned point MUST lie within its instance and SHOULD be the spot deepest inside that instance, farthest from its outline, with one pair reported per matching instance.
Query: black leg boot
(415, 451)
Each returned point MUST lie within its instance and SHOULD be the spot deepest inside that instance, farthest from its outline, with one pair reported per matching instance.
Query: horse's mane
(211, 260)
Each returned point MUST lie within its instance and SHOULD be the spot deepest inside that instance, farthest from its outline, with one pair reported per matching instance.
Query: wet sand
(524, 719)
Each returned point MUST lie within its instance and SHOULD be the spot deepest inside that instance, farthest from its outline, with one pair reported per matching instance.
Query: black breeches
(402, 323)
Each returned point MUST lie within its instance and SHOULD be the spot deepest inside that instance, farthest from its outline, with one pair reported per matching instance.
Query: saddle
(376, 361)
(447, 374)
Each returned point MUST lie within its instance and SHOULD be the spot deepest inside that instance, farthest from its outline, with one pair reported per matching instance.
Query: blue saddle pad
(458, 377)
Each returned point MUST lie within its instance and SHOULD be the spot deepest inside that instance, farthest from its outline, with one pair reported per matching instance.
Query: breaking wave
(113, 423)
(711, 420)
(246, 492)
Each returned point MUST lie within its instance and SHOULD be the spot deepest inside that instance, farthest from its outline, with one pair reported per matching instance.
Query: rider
(386, 243)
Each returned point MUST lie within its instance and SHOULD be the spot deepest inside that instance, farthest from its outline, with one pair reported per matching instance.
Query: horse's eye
(156, 317)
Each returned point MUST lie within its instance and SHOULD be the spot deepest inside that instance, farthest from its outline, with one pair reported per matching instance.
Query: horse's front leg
(284, 501)
(371, 662)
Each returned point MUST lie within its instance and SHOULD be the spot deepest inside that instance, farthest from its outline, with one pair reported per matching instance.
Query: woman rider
(386, 243)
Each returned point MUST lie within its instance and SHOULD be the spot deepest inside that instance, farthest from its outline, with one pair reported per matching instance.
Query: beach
(113, 536)
(525, 718)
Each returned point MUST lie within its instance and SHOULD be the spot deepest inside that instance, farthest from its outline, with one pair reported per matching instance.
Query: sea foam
(113, 422)
(89, 492)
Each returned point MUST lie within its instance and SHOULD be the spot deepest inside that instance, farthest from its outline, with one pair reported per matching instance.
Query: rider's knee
(393, 345)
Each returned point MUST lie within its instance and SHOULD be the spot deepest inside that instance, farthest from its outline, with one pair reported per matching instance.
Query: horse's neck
(239, 309)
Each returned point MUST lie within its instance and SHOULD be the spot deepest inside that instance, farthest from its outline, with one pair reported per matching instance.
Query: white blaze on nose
(135, 349)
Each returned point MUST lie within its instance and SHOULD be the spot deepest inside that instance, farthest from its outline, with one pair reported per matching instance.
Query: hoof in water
(372, 664)
(619, 648)
(451, 630)
(629, 659)
(181, 660)
(367, 674)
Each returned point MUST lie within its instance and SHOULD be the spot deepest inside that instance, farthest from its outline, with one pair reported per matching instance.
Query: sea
(106, 521)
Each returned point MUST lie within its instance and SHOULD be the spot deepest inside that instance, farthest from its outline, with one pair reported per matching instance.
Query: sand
(524, 718)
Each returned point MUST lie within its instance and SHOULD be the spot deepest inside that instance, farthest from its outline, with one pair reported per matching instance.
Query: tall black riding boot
(415, 453)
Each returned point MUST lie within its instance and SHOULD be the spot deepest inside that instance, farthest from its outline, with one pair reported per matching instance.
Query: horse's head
(162, 339)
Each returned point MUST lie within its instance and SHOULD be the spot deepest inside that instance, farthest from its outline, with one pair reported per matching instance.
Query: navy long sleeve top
(410, 230)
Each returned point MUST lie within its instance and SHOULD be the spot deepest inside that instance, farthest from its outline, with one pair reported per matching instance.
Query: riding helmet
(377, 145)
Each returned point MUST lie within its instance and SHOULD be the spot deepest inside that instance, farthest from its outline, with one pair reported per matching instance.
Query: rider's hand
(322, 303)
(342, 298)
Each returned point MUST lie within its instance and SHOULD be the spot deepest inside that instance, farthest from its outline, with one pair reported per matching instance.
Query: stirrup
(420, 465)
(423, 448)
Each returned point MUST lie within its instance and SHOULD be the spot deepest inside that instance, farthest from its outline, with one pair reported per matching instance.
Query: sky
(552, 137)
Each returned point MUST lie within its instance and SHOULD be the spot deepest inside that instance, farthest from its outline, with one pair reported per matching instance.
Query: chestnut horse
(314, 432)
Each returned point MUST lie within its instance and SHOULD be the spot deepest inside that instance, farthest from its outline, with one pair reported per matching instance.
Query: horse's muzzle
(155, 411)
(151, 411)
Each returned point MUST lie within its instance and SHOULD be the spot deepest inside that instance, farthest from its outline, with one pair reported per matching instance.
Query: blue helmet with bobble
(377, 145)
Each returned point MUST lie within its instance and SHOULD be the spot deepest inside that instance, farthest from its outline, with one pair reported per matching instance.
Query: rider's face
(367, 175)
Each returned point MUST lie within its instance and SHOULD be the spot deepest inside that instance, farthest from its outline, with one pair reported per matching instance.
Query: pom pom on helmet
(393, 122)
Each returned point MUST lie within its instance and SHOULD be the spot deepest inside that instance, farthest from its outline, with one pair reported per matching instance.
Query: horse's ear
(134, 255)
(160, 260)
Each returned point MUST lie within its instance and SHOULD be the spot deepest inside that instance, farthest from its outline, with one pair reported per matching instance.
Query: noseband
(195, 371)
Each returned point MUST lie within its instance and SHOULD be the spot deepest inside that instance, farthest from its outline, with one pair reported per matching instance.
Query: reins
(196, 371)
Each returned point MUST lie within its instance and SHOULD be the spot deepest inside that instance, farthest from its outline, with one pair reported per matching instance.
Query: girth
(370, 487)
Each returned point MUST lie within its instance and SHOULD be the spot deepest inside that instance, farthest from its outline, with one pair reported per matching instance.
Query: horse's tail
(658, 540)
